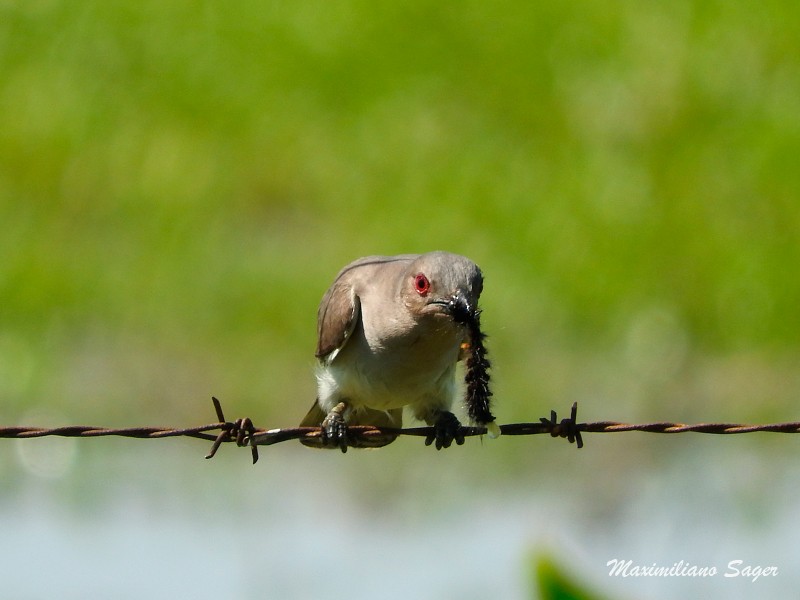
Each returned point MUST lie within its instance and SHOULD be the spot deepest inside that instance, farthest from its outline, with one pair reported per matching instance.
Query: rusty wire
(244, 433)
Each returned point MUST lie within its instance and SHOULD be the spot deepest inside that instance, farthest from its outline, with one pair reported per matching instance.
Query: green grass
(179, 182)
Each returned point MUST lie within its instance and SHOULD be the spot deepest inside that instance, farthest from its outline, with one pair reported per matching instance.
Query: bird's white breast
(385, 373)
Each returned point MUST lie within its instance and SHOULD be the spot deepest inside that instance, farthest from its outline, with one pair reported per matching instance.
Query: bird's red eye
(421, 284)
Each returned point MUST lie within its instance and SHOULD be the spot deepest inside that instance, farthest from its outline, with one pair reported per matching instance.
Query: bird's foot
(334, 428)
(446, 430)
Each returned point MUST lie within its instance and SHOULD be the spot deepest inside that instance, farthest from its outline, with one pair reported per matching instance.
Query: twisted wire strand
(244, 433)
(132, 432)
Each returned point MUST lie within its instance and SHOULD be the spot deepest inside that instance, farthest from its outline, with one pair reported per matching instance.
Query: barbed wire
(244, 433)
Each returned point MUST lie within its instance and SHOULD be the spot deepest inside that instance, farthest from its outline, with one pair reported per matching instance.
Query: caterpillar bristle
(478, 395)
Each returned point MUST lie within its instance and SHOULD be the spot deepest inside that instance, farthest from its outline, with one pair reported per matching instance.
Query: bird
(390, 332)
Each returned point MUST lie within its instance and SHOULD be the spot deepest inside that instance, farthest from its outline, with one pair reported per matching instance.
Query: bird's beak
(459, 306)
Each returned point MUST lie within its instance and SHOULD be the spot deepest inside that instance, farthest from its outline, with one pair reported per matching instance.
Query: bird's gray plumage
(387, 338)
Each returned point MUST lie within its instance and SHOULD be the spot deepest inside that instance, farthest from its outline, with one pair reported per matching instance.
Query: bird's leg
(334, 428)
(446, 429)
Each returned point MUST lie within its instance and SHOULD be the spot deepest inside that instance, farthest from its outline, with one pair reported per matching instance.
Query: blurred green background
(180, 182)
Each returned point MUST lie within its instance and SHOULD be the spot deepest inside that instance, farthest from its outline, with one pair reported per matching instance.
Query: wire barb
(244, 433)
(567, 428)
(241, 431)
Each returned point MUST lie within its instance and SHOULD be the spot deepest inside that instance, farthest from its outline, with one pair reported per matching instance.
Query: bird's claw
(446, 430)
(334, 431)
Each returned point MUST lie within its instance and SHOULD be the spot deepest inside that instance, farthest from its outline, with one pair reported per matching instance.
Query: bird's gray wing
(338, 315)
(340, 308)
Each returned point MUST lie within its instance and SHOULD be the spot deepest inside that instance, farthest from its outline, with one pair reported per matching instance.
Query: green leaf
(553, 582)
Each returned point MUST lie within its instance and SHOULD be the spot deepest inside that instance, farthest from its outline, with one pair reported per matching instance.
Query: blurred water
(156, 524)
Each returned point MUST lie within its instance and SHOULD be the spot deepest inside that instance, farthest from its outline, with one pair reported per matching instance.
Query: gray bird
(390, 332)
